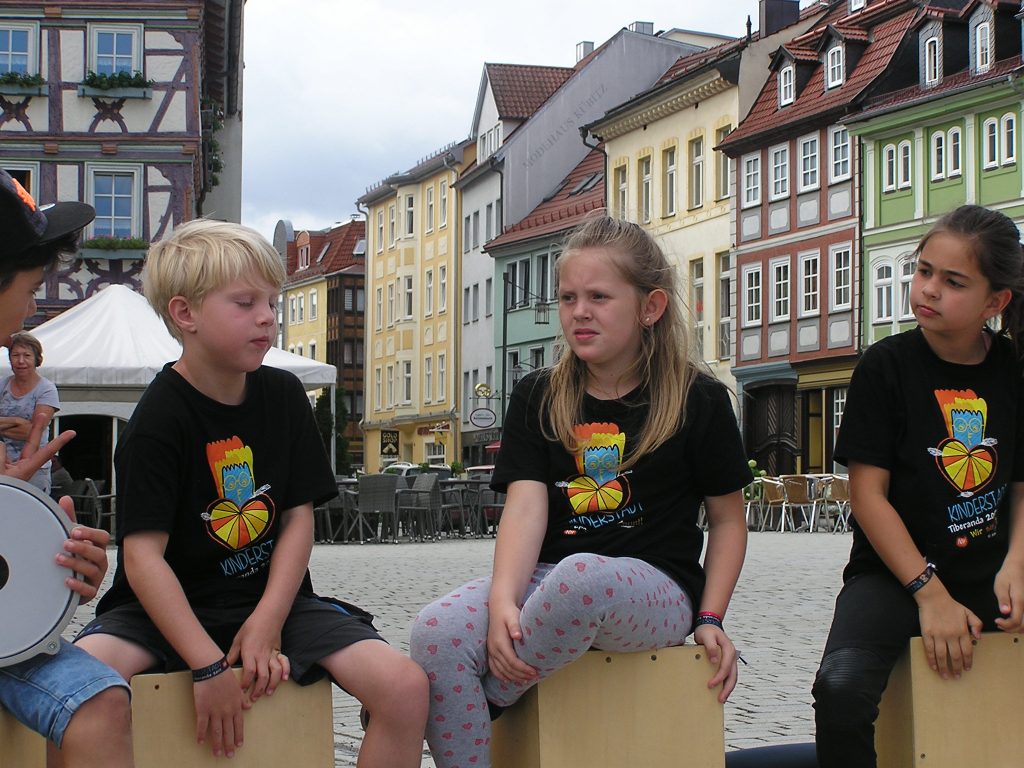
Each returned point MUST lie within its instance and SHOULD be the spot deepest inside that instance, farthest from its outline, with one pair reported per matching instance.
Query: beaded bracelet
(708, 617)
(210, 672)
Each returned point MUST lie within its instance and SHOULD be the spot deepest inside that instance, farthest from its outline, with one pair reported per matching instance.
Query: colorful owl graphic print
(599, 495)
(242, 512)
(966, 458)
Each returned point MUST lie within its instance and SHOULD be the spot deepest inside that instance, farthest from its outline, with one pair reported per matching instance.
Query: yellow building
(304, 301)
(412, 321)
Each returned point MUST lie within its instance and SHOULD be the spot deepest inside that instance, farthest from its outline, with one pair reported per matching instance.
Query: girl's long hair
(994, 241)
(663, 362)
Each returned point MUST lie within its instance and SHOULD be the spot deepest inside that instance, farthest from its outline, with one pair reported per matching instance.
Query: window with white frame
(115, 48)
(544, 275)
(466, 314)
(838, 408)
(931, 60)
(938, 154)
(378, 307)
(751, 180)
(810, 283)
(834, 67)
(442, 203)
(440, 376)
(697, 303)
(18, 49)
(983, 46)
(428, 378)
(883, 293)
(696, 186)
(377, 395)
(856, 5)
(467, 234)
(724, 305)
(808, 163)
(428, 292)
(410, 215)
(476, 302)
(488, 215)
(1008, 130)
(442, 288)
(476, 229)
(304, 257)
(889, 168)
(391, 304)
(839, 143)
(954, 158)
(407, 292)
(312, 350)
(302, 308)
(752, 295)
(786, 85)
(907, 268)
(291, 310)
(407, 381)
(990, 143)
(312, 304)
(389, 384)
(488, 297)
(723, 166)
(842, 277)
(430, 208)
(903, 165)
(644, 172)
(25, 172)
(467, 396)
(780, 171)
(380, 231)
(621, 189)
(115, 192)
(779, 301)
(668, 182)
(391, 226)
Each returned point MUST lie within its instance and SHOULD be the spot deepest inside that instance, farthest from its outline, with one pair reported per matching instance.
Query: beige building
(412, 321)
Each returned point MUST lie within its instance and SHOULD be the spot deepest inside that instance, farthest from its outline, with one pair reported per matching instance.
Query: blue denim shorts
(45, 691)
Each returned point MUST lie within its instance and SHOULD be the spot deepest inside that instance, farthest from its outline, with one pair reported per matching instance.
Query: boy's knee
(100, 719)
(844, 689)
(406, 693)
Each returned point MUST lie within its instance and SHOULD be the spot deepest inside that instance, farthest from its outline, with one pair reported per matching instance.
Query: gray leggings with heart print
(586, 600)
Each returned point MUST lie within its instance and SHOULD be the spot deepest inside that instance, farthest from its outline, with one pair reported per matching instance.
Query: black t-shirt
(650, 512)
(216, 478)
(948, 434)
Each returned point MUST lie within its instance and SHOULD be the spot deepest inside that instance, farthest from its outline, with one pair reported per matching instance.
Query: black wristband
(705, 618)
(923, 578)
(210, 672)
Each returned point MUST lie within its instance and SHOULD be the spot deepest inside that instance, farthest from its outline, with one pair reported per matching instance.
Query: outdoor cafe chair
(800, 495)
(773, 498)
(374, 505)
(92, 506)
(837, 493)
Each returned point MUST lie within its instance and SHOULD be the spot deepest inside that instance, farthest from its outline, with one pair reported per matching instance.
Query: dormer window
(983, 46)
(304, 257)
(786, 85)
(856, 5)
(931, 60)
(834, 68)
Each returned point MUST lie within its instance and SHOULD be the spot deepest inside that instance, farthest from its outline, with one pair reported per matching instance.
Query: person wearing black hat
(72, 699)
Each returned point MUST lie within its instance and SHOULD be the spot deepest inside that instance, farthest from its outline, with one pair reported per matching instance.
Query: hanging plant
(21, 78)
(116, 80)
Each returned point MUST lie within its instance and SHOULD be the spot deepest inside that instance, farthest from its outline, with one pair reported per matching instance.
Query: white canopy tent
(104, 352)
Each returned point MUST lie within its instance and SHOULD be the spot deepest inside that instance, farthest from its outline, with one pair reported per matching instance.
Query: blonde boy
(218, 472)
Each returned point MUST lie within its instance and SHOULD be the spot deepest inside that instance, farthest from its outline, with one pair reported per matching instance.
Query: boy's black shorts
(315, 628)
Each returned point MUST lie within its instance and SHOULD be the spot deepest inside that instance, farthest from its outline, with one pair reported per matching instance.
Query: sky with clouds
(340, 94)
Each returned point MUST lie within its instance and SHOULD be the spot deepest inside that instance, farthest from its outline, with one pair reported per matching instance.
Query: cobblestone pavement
(778, 619)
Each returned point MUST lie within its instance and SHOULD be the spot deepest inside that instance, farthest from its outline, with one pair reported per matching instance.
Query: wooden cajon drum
(650, 709)
(295, 726)
(927, 722)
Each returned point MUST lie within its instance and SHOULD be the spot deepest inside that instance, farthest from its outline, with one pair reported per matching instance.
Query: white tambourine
(35, 602)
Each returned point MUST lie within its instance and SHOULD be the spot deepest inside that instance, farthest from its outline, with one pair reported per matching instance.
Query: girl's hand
(219, 703)
(947, 629)
(721, 655)
(503, 632)
(1009, 589)
(263, 665)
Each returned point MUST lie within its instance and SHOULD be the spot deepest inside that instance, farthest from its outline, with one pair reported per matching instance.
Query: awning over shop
(493, 447)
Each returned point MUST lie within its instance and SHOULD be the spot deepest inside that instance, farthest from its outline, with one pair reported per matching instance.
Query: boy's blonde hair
(201, 256)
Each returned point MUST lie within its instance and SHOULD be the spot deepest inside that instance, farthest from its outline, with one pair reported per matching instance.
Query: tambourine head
(35, 602)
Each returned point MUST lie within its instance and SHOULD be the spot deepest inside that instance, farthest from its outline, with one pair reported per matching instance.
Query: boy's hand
(947, 630)
(721, 654)
(258, 645)
(26, 466)
(219, 703)
(85, 552)
(1009, 589)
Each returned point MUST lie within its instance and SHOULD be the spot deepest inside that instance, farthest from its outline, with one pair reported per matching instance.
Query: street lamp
(541, 316)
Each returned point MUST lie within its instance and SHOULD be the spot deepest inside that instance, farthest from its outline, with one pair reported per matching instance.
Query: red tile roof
(340, 242)
(886, 23)
(520, 89)
(686, 64)
(565, 208)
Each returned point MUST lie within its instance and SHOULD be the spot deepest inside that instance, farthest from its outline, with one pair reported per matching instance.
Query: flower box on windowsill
(13, 89)
(115, 93)
(114, 254)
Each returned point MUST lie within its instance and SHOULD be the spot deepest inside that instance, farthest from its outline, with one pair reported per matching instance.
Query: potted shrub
(121, 248)
(119, 85)
(21, 84)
